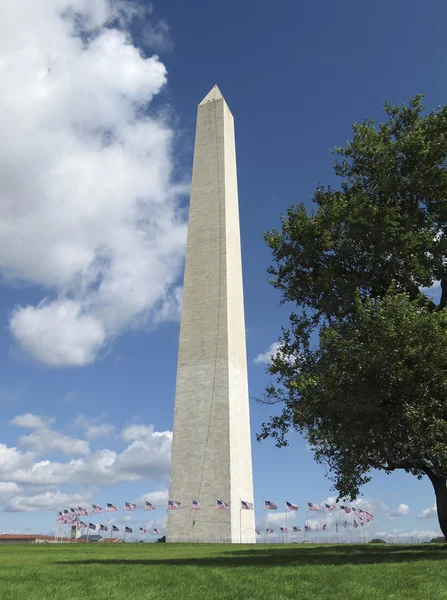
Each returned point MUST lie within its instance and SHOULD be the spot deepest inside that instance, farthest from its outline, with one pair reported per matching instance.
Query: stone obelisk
(211, 448)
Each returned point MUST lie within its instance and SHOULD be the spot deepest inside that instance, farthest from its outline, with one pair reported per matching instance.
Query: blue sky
(94, 188)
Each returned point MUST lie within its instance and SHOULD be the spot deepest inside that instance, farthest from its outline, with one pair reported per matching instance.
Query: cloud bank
(89, 209)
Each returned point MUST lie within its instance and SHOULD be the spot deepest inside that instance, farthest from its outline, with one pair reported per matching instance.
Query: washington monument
(211, 448)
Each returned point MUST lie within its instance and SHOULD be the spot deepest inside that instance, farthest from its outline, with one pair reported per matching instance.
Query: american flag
(345, 524)
(173, 505)
(92, 526)
(142, 530)
(60, 516)
(148, 506)
(269, 505)
(324, 527)
(82, 524)
(307, 528)
(355, 524)
(82, 511)
(329, 507)
(196, 505)
(157, 531)
(246, 505)
(370, 517)
(257, 532)
(312, 506)
(96, 509)
(296, 529)
(316, 527)
(356, 512)
(345, 509)
(129, 529)
(129, 506)
(102, 527)
(74, 511)
(290, 506)
(221, 505)
(283, 530)
(336, 527)
(268, 530)
(115, 528)
(66, 511)
(111, 508)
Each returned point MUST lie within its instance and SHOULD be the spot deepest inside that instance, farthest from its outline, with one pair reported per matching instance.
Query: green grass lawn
(195, 572)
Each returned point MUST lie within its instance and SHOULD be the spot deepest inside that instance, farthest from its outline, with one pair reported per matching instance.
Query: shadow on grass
(297, 557)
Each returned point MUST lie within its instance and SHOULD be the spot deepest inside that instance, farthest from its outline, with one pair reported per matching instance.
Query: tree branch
(443, 302)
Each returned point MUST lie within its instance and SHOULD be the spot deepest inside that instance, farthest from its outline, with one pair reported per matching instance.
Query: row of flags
(220, 505)
(95, 509)
(312, 506)
(102, 527)
(307, 528)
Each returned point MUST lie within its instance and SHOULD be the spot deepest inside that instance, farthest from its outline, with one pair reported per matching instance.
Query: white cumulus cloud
(429, 512)
(266, 357)
(30, 421)
(47, 501)
(400, 511)
(89, 210)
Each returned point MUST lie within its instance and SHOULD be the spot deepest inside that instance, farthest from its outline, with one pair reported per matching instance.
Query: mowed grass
(217, 572)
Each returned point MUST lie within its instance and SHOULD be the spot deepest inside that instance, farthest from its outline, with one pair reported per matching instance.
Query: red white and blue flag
(345, 509)
(312, 506)
(111, 508)
(268, 530)
(129, 529)
(290, 506)
(143, 531)
(296, 529)
(345, 524)
(83, 525)
(283, 530)
(221, 505)
(196, 505)
(115, 528)
(257, 532)
(82, 511)
(157, 531)
(246, 505)
(355, 524)
(324, 527)
(96, 509)
(148, 506)
(329, 507)
(102, 527)
(129, 506)
(74, 511)
(307, 528)
(92, 526)
(269, 505)
(174, 505)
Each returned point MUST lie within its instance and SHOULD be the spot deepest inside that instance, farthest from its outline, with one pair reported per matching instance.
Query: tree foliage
(362, 369)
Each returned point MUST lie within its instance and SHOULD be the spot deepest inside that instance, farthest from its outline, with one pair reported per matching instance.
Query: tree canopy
(362, 366)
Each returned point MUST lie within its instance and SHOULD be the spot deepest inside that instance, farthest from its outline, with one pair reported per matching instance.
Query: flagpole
(215, 520)
(352, 527)
(307, 523)
(325, 523)
(263, 504)
(55, 529)
(287, 534)
(105, 517)
(240, 521)
(122, 520)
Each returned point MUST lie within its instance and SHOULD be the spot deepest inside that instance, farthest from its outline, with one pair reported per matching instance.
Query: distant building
(22, 538)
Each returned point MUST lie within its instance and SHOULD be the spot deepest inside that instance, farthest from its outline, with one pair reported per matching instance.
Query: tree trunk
(440, 486)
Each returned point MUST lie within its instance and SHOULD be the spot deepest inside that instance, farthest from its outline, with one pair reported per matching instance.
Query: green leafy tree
(362, 366)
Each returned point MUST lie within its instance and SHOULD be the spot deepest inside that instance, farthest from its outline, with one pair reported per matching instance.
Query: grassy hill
(217, 572)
